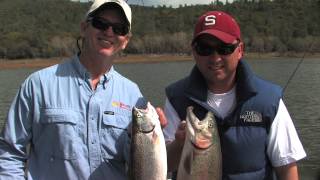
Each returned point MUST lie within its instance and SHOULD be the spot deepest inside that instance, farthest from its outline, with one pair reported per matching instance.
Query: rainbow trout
(201, 154)
(148, 149)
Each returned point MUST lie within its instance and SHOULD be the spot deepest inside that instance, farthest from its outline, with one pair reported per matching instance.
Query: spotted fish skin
(201, 157)
(148, 149)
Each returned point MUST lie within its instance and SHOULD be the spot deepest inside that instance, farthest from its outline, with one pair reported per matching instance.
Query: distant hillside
(48, 28)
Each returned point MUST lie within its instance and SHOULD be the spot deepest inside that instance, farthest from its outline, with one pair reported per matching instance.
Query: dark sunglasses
(101, 24)
(204, 49)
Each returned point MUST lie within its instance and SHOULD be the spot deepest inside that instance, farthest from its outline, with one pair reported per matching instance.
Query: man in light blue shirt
(70, 121)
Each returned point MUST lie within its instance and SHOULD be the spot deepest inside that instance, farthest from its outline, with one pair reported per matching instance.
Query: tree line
(49, 28)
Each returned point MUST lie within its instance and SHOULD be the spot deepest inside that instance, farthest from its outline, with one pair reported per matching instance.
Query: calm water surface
(301, 96)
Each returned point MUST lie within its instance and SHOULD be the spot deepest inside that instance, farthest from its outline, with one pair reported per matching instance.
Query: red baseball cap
(218, 24)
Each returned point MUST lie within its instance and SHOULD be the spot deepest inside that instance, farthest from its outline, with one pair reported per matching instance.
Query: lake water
(301, 96)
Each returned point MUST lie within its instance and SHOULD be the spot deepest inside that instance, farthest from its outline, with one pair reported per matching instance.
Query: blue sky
(173, 3)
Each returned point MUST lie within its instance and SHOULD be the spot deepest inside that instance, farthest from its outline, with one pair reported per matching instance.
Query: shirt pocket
(114, 139)
(58, 133)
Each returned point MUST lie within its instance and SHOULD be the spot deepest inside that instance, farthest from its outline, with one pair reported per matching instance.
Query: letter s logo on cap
(210, 20)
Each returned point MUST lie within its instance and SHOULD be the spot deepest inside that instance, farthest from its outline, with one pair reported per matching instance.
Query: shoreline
(147, 58)
(46, 62)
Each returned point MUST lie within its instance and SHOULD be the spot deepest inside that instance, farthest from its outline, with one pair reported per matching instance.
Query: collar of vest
(246, 86)
(197, 87)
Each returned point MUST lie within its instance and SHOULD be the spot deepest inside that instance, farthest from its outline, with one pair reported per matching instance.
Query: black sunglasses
(101, 24)
(204, 49)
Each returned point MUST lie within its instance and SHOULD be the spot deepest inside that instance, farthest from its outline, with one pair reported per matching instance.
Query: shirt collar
(80, 69)
(107, 76)
(84, 74)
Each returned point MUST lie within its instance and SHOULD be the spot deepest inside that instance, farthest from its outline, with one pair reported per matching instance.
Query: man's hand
(162, 117)
(180, 134)
(174, 148)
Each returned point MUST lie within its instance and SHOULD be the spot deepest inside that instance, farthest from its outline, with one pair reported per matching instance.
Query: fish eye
(139, 115)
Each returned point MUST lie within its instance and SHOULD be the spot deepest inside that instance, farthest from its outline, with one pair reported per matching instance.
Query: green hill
(48, 28)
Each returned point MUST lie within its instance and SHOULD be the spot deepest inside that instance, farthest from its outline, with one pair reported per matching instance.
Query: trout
(148, 149)
(201, 157)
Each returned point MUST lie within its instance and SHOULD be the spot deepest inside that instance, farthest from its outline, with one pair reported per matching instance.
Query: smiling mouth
(105, 42)
(215, 67)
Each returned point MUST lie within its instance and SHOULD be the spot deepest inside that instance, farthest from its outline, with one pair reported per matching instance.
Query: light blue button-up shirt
(73, 132)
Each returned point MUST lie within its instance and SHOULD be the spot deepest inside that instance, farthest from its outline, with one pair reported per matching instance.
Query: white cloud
(173, 3)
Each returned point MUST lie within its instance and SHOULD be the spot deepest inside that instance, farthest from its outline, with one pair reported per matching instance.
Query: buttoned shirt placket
(93, 122)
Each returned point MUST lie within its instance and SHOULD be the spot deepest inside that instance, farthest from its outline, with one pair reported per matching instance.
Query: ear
(83, 27)
(240, 50)
(125, 42)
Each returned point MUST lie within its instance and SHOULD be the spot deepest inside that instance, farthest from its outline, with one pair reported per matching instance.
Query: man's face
(101, 39)
(217, 61)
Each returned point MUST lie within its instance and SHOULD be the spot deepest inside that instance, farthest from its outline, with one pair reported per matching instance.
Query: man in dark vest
(256, 132)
